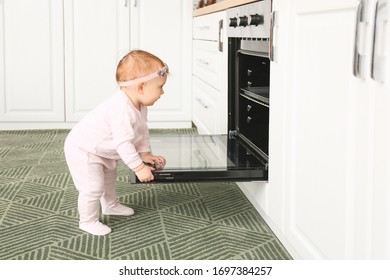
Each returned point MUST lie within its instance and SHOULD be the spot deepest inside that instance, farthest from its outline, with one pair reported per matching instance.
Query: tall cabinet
(96, 35)
(31, 60)
(58, 58)
(328, 194)
(164, 28)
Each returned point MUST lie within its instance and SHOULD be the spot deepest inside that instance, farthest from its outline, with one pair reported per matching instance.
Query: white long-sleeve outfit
(114, 130)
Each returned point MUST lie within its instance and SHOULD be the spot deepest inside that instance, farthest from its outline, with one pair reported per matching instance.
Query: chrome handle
(248, 119)
(204, 27)
(220, 42)
(272, 47)
(358, 58)
(204, 62)
(378, 60)
(248, 108)
(201, 103)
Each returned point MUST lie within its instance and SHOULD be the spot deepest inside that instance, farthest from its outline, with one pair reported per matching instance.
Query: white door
(164, 29)
(31, 60)
(380, 194)
(96, 38)
(329, 132)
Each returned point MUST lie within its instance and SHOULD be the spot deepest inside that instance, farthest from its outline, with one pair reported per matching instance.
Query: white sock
(95, 228)
(118, 210)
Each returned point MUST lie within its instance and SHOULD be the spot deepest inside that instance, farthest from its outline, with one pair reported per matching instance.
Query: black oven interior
(249, 99)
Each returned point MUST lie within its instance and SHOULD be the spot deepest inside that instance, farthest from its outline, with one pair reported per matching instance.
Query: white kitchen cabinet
(96, 38)
(164, 29)
(31, 61)
(321, 216)
(328, 192)
(209, 69)
(59, 58)
(332, 210)
(380, 192)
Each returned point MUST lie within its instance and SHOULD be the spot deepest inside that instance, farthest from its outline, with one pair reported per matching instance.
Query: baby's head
(137, 64)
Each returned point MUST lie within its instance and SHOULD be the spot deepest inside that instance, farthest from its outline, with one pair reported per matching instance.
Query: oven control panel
(249, 21)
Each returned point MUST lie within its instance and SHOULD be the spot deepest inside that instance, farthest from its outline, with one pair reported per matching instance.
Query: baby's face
(153, 90)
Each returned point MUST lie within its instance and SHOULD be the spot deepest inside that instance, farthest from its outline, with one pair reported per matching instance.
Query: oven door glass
(206, 158)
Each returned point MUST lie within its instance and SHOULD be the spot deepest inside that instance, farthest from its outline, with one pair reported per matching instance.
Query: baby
(116, 129)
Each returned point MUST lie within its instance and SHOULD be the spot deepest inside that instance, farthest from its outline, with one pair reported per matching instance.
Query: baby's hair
(137, 63)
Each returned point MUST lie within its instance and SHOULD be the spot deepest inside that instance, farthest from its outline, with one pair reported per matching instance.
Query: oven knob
(243, 21)
(233, 22)
(256, 19)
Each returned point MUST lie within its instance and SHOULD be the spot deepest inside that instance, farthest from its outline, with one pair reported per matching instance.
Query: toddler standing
(116, 129)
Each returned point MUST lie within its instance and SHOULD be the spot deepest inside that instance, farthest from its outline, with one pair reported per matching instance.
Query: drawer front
(204, 108)
(207, 27)
(207, 63)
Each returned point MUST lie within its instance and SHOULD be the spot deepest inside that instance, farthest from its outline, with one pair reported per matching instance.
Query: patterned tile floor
(39, 219)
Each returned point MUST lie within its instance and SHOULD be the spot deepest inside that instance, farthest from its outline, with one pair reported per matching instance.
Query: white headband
(158, 73)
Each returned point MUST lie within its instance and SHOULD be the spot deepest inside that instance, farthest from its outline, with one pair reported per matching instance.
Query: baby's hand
(145, 174)
(157, 161)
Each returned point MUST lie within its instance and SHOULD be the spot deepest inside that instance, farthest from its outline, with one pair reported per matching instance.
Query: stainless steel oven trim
(272, 46)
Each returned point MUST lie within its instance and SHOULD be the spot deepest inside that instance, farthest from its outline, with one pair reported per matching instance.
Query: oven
(249, 74)
(240, 154)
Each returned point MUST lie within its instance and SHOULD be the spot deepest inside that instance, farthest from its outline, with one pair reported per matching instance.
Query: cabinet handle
(358, 58)
(204, 62)
(201, 103)
(248, 119)
(272, 47)
(378, 61)
(126, 3)
(204, 27)
(220, 43)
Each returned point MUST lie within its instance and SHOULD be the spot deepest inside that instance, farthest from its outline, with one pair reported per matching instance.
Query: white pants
(94, 178)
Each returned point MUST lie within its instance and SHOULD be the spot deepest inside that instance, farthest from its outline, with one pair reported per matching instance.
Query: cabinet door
(381, 157)
(164, 29)
(96, 38)
(329, 134)
(31, 60)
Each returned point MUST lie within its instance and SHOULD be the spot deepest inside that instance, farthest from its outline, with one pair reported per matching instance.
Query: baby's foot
(118, 210)
(96, 228)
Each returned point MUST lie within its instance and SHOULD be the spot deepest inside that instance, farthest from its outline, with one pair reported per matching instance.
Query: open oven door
(242, 153)
(206, 158)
